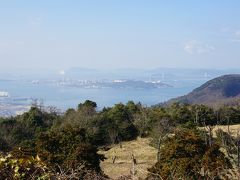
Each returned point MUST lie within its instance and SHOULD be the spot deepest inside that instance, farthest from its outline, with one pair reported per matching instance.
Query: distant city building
(4, 94)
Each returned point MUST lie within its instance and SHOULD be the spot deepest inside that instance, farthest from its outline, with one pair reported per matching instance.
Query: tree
(88, 107)
(3, 145)
(33, 118)
(180, 113)
(68, 149)
(185, 155)
(203, 115)
(119, 119)
(142, 122)
(133, 108)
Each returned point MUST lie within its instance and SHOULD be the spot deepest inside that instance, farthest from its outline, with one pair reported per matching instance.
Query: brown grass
(234, 130)
(143, 152)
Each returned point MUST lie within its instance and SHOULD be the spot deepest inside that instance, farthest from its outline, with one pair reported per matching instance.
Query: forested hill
(222, 90)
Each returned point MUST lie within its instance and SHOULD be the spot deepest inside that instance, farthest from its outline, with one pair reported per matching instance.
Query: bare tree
(164, 127)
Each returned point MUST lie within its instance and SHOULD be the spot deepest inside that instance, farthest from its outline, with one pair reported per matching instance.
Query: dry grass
(233, 129)
(143, 152)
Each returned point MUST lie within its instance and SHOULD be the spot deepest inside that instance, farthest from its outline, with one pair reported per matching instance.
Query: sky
(110, 34)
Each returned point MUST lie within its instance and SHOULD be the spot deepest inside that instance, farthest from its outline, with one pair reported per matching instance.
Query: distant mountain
(189, 74)
(222, 90)
(94, 74)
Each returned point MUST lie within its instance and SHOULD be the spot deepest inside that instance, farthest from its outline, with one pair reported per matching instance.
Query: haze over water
(68, 89)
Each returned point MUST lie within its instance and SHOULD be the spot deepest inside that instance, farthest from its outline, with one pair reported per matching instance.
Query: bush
(185, 155)
(68, 149)
(25, 167)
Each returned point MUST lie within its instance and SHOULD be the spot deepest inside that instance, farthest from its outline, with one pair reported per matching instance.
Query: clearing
(145, 155)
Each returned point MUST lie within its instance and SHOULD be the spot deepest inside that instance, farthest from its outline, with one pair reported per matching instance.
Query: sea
(64, 97)
(23, 90)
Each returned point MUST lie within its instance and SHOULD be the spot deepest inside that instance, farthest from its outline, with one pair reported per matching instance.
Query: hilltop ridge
(221, 90)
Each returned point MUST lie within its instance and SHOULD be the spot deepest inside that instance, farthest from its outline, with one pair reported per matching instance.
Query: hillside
(222, 90)
(144, 154)
(142, 151)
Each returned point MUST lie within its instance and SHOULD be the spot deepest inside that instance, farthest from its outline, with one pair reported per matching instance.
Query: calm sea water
(65, 97)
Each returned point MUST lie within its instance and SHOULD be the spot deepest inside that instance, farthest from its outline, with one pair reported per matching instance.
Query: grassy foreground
(142, 151)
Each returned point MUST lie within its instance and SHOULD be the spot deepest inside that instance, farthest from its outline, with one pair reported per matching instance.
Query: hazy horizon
(108, 71)
(58, 35)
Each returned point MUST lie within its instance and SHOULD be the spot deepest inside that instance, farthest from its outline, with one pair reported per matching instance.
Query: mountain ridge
(221, 90)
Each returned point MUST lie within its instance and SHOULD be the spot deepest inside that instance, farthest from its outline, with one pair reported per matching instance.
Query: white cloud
(196, 47)
(236, 36)
(237, 33)
(232, 35)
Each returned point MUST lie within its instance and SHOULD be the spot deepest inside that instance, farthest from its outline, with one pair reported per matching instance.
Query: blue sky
(112, 34)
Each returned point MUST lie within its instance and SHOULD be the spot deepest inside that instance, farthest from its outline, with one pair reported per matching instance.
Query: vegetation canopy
(70, 142)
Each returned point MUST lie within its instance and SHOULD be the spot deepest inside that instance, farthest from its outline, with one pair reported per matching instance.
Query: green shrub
(186, 156)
